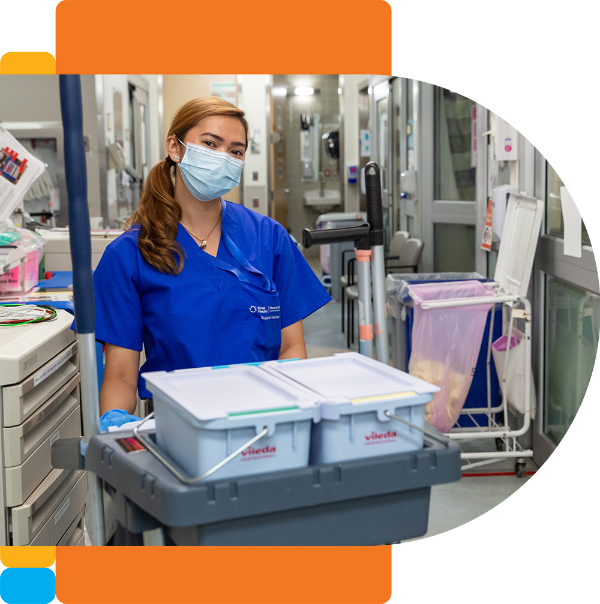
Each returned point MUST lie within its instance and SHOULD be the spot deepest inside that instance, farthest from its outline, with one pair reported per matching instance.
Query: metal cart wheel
(520, 468)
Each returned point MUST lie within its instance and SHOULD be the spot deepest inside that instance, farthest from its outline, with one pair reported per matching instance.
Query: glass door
(567, 295)
(398, 148)
(138, 141)
(455, 172)
(404, 176)
(571, 343)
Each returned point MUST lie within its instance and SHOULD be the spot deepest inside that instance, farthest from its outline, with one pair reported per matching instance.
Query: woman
(198, 281)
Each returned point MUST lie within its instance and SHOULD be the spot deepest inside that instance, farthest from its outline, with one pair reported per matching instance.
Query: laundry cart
(509, 288)
(327, 451)
(39, 403)
(485, 387)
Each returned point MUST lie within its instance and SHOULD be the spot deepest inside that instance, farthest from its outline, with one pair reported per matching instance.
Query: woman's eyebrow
(220, 138)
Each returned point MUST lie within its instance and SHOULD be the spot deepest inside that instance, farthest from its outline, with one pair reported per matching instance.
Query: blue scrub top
(198, 318)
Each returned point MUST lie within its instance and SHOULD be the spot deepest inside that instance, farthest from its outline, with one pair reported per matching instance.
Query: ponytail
(157, 215)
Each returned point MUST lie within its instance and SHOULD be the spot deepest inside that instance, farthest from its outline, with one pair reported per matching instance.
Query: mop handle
(375, 219)
(312, 237)
(83, 284)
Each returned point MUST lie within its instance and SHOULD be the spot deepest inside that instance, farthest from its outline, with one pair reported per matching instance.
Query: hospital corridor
(269, 309)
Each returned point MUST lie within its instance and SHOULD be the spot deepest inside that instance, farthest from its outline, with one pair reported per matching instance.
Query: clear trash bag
(446, 344)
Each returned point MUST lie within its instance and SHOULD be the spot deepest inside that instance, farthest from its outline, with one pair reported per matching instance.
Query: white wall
(254, 101)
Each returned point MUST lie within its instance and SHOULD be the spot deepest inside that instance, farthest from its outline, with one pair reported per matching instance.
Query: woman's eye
(238, 153)
(209, 143)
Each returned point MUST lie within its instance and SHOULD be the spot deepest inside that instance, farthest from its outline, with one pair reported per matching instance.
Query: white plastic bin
(355, 393)
(204, 415)
(331, 255)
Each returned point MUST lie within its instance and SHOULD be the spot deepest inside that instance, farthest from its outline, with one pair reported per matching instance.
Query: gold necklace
(202, 242)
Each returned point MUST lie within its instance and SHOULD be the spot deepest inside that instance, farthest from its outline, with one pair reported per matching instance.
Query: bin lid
(208, 394)
(351, 377)
(520, 236)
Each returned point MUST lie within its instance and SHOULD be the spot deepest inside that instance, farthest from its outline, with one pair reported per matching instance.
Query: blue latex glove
(114, 417)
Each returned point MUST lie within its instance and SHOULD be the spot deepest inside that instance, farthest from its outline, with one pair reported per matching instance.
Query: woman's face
(217, 132)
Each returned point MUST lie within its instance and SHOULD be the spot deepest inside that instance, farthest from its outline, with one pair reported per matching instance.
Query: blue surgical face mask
(208, 174)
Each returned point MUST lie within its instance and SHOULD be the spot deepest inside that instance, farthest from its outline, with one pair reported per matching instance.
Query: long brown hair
(158, 213)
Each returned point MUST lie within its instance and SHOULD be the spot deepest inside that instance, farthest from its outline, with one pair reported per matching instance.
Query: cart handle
(156, 452)
(440, 439)
(469, 301)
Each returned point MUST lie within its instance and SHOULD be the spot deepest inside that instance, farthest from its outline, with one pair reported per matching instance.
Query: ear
(173, 149)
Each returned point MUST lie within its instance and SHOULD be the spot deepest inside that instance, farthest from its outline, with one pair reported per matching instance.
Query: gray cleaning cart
(371, 501)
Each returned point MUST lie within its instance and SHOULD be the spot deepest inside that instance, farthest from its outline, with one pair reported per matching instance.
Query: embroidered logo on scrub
(266, 313)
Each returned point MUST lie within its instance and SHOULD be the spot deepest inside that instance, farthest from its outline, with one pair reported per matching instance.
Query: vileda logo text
(380, 437)
(252, 453)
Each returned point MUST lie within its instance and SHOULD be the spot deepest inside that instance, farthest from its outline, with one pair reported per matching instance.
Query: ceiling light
(304, 91)
(279, 91)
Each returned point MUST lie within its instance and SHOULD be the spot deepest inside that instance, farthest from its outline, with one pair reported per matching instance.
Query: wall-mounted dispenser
(331, 142)
(408, 184)
(577, 203)
(505, 140)
(309, 145)
(352, 174)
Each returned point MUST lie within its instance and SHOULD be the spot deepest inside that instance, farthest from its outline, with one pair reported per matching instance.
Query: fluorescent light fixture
(279, 91)
(304, 90)
(521, 91)
(339, 91)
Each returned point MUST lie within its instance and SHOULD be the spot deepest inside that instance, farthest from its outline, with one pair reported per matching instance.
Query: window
(572, 320)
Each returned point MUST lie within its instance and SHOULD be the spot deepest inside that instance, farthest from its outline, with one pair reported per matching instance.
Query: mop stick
(83, 284)
(375, 220)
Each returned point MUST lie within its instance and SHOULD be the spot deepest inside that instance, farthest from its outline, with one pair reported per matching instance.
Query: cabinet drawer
(21, 441)
(21, 400)
(28, 519)
(68, 510)
(22, 480)
(74, 534)
(25, 349)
